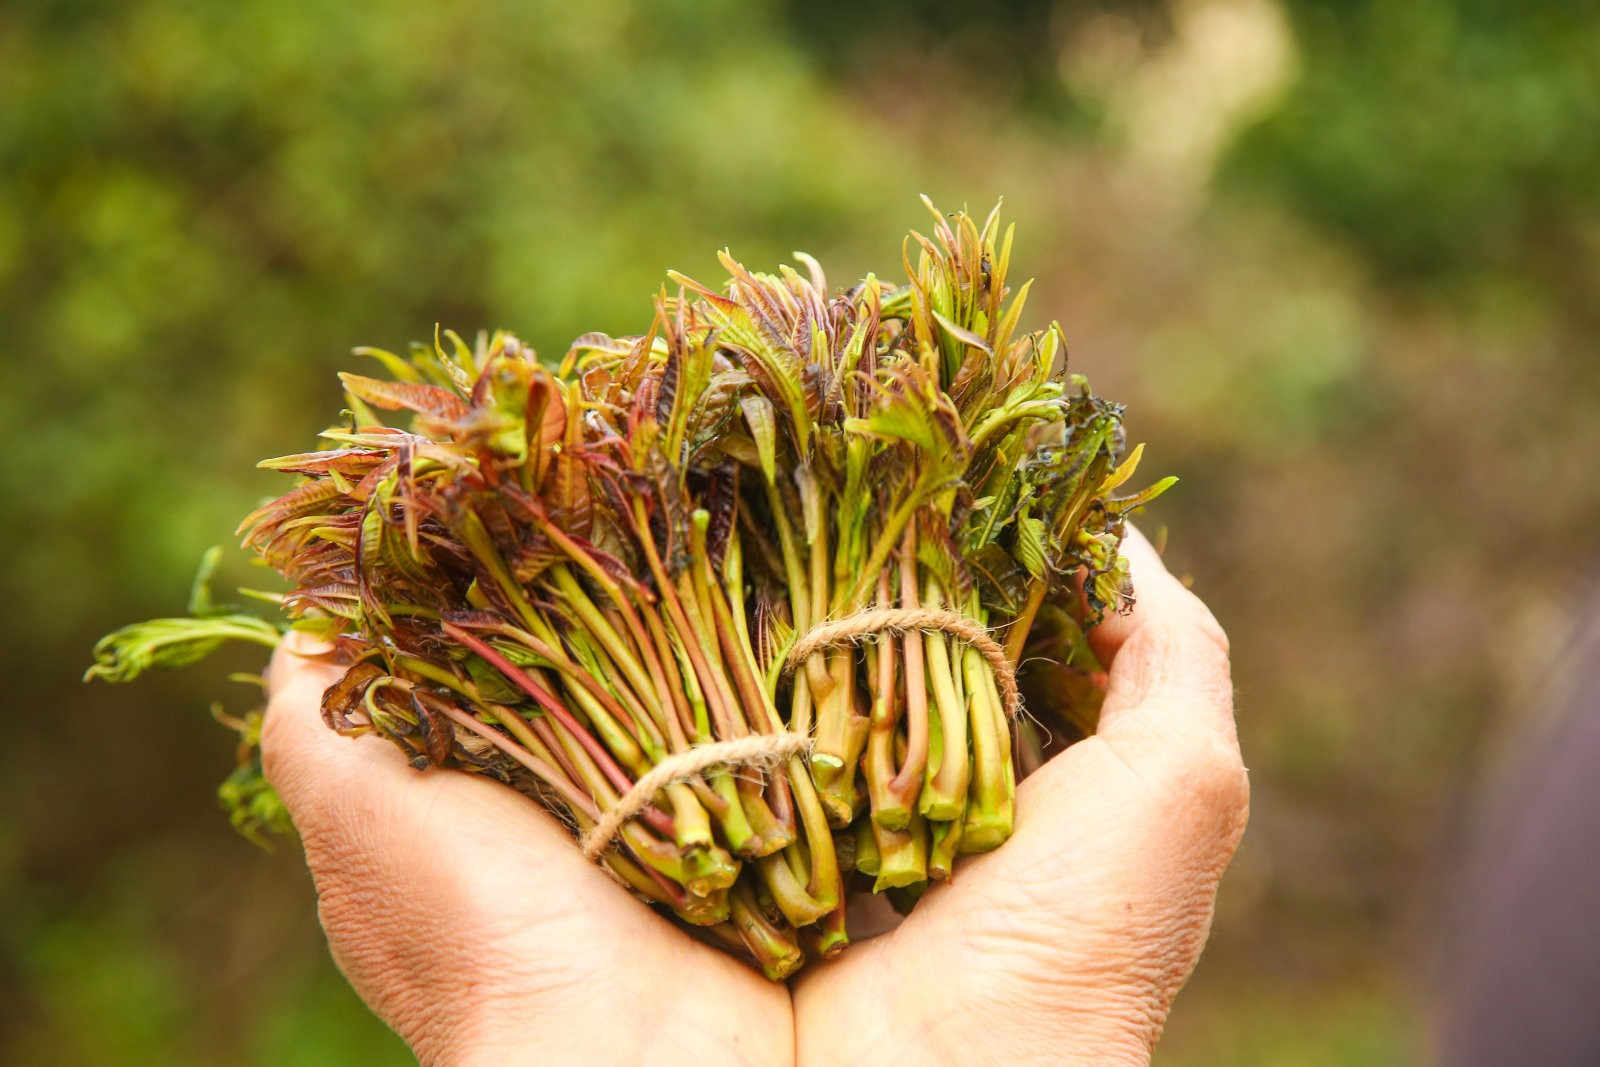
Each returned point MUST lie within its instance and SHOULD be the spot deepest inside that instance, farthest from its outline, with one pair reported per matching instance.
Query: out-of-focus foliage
(1442, 135)
(1340, 260)
(1003, 51)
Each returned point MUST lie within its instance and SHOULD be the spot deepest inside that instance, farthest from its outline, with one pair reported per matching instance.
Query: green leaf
(759, 415)
(399, 368)
(965, 336)
(1030, 550)
(200, 603)
(1144, 496)
(457, 371)
(253, 806)
(167, 643)
(1124, 470)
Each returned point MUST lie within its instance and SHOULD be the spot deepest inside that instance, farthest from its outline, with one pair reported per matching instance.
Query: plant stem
(944, 794)
(906, 782)
(989, 813)
(774, 947)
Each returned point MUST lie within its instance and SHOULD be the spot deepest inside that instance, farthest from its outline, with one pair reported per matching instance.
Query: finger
(1167, 659)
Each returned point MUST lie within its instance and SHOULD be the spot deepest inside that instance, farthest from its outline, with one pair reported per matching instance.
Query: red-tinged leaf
(449, 458)
(337, 606)
(571, 508)
(474, 620)
(351, 462)
(667, 385)
(523, 507)
(332, 590)
(547, 420)
(566, 485)
(721, 500)
(625, 576)
(529, 509)
(711, 295)
(592, 346)
(767, 304)
(369, 484)
(379, 437)
(412, 396)
(646, 401)
(295, 502)
(495, 515)
(344, 697)
(344, 537)
(599, 383)
(438, 736)
(532, 558)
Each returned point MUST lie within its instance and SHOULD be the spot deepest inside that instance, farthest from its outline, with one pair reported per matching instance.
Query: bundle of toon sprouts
(779, 554)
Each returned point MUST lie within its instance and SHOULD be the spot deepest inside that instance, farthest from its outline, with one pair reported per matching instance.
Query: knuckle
(1203, 783)
(1215, 775)
(1220, 768)
(1228, 795)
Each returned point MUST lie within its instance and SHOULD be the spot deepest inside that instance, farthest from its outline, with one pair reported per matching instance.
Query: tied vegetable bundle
(739, 599)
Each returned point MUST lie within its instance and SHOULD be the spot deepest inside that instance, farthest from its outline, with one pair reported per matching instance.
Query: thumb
(1122, 839)
(1160, 788)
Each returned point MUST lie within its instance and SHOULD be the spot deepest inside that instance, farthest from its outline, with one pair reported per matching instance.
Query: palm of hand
(465, 918)
(468, 921)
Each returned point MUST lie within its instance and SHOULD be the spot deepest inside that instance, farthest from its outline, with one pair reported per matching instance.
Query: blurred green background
(1340, 260)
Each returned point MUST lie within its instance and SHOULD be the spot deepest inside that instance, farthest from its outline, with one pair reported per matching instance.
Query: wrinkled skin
(466, 919)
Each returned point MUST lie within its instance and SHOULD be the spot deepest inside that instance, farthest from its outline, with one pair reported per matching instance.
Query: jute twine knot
(763, 750)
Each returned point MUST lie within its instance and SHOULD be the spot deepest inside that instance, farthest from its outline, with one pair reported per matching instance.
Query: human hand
(1068, 943)
(465, 918)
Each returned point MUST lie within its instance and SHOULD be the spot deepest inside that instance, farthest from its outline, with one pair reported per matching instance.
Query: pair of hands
(466, 919)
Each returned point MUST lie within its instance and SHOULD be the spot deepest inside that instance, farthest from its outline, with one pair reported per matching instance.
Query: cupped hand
(1068, 943)
(466, 919)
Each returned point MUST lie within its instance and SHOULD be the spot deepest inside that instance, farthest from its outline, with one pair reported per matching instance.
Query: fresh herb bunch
(562, 578)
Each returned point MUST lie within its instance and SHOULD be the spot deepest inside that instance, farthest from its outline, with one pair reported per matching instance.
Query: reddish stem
(545, 773)
(548, 701)
(906, 782)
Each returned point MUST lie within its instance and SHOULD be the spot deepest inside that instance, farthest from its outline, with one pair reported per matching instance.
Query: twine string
(754, 750)
(763, 750)
(855, 628)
